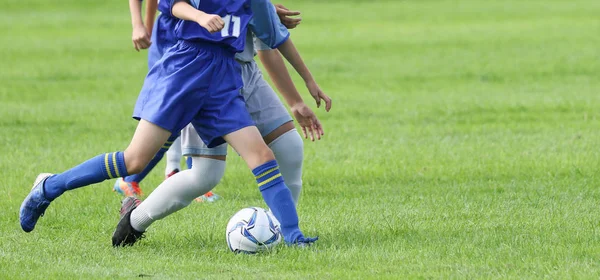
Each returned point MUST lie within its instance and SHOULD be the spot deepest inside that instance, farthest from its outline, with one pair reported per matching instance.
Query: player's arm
(273, 63)
(183, 10)
(139, 36)
(151, 8)
(291, 54)
(268, 28)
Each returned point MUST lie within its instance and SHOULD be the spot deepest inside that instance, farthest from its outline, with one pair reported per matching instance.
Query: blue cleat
(35, 204)
(302, 242)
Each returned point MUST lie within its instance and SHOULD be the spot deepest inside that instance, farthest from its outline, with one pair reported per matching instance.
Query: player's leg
(146, 141)
(176, 192)
(260, 159)
(208, 167)
(275, 125)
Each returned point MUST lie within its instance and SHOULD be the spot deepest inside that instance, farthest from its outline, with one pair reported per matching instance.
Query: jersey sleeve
(266, 26)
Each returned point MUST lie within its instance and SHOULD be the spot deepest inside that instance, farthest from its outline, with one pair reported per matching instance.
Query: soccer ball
(252, 230)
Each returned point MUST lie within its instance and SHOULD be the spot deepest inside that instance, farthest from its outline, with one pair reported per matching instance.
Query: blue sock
(155, 160)
(279, 199)
(94, 170)
(188, 162)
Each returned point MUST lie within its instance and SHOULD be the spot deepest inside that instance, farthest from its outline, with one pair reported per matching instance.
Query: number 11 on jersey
(228, 20)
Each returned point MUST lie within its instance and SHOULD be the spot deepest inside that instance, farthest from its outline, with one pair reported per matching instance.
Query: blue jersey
(163, 7)
(235, 13)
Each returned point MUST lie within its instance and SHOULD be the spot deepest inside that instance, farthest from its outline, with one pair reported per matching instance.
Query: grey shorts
(263, 104)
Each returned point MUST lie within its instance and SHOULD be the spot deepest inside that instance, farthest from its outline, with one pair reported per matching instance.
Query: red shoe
(127, 188)
(208, 197)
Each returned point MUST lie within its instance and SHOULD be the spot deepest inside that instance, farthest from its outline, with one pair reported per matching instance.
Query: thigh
(263, 104)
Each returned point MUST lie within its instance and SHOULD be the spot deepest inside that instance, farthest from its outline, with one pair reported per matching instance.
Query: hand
(285, 16)
(318, 95)
(140, 38)
(309, 122)
(212, 23)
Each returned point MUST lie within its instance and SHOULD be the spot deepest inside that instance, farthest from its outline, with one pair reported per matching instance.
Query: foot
(125, 234)
(208, 197)
(35, 204)
(303, 242)
(175, 171)
(127, 188)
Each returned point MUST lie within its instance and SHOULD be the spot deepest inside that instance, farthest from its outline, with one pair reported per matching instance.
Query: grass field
(463, 143)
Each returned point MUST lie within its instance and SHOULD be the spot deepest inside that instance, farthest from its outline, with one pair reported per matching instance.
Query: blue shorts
(162, 38)
(196, 83)
(263, 104)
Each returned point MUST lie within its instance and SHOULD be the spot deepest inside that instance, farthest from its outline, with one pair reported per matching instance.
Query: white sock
(174, 157)
(289, 153)
(178, 191)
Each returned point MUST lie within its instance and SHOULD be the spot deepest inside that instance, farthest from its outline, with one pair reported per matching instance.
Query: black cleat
(125, 234)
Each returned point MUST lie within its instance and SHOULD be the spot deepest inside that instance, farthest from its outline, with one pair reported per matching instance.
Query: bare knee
(134, 163)
(260, 156)
(265, 154)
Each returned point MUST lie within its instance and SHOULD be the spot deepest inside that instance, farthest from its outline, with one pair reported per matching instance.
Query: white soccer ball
(252, 230)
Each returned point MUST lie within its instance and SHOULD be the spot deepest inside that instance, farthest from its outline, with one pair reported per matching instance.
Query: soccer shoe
(35, 204)
(127, 188)
(208, 197)
(303, 242)
(125, 234)
(175, 171)
(128, 203)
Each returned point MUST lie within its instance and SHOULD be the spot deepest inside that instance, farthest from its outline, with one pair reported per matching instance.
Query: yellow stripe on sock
(165, 147)
(106, 165)
(115, 165)
(169, 142)
(267, 172)
(269, 180)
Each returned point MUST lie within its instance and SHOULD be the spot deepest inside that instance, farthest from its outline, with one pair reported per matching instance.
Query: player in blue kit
(260, 99)
(197, 81)
(269, 115)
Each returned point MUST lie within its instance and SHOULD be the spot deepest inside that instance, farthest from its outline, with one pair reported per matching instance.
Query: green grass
(463, 143)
